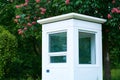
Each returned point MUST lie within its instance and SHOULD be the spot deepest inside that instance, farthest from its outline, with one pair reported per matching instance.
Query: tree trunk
(36, 46)
(106, 56)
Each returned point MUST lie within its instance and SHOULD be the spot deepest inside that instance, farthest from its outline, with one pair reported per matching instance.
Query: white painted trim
(73, 16)
(57, 31)
(58, 54)
(93, 48)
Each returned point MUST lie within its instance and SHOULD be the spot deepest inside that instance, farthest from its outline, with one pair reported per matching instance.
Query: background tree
(29, 32)
(8, 46)
(27, 64)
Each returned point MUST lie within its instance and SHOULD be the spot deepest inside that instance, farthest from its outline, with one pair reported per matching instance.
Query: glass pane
(58, 59)
(58, 42)
(86, 48)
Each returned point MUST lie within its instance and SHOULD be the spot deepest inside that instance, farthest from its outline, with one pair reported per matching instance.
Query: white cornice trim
(71, 16)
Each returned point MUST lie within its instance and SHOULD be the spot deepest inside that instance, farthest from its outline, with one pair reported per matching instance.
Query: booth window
(58, 47)
(87, 48)
(58, 59)
(57, 42)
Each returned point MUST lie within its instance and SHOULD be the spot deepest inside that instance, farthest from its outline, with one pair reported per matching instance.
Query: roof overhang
(71, 16)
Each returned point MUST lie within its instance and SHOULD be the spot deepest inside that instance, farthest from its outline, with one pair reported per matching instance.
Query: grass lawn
(115, 74)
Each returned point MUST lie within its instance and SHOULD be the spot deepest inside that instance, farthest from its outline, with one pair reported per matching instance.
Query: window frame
(61, 53)
(93, 46)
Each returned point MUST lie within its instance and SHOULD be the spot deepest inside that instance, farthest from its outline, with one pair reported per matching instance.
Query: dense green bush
(27, 64)
(17, 61)
(8, 45)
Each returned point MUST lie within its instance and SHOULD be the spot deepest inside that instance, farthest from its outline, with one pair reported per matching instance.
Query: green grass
(115, 73)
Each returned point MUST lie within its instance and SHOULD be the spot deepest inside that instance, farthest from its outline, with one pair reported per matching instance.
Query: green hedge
(8, 45)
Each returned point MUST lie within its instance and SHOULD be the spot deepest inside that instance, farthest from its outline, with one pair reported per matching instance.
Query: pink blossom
(25, 28)
(17, 6)
(20, 31)
(67, 2)
(35, 18)
(113, 1)
(109, 16)
(17, 17)
(21, 5)
(16, 20)
(26, 1)
(39, 17)
(114, 10)
(33, 22)
(118, 11)
(43, 10)
(37, 1)
(29, 24)
(25, 4)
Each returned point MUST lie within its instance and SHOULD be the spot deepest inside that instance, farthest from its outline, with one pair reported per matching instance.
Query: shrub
(8, 45)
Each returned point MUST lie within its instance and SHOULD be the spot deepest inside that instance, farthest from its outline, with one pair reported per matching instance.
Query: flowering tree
(28, 13)
(111, 36)
(31, 10)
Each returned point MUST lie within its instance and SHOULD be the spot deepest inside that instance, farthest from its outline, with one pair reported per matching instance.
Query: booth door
(87, 54)
(87, 69)
(56, 68)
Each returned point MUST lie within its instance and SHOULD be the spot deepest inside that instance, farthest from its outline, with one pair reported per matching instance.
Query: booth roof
(71, 16)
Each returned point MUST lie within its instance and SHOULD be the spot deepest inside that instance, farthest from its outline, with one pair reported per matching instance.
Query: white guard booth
(72, 47)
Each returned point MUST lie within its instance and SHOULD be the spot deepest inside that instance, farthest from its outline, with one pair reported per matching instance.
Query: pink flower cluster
(37, 1)
(67, 2)
(115, 10)
(34, 23)
(31, 24)
(16, 18)
(113, 1)
(109, 16)
(26, 1)
(20, 31)
(27, 24)
(43, 10)
(22, 5)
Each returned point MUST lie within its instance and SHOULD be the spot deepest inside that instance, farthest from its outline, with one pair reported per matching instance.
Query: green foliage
(114, 12)
(8, 45)
(98, 8)
(115, 74)
(18, 63)
(30, 11)
(27, 63)
(26, 17)
(114, 43)
(7, 12)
